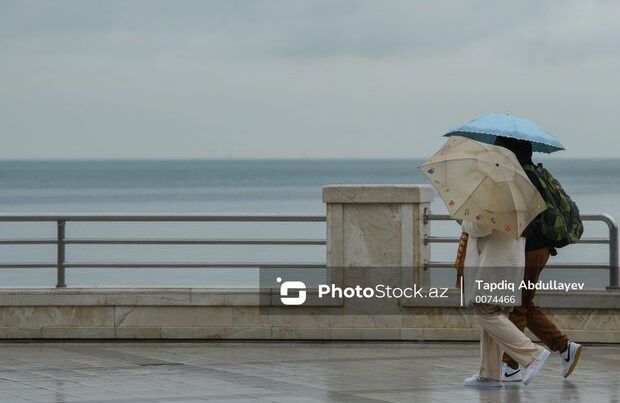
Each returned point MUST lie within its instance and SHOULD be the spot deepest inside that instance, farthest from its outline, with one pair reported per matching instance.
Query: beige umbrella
(484, 183)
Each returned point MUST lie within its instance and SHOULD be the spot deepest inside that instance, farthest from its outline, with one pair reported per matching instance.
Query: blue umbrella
(486, 128)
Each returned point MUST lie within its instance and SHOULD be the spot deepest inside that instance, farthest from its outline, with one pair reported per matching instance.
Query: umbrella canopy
(488, 127)
(484, 183)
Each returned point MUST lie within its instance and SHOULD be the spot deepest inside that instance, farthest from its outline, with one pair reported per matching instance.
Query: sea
(235, 186)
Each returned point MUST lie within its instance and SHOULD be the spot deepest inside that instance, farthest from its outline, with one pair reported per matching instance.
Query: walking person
(485, 186)
(489, 249)
(557, 224)
(537, 251)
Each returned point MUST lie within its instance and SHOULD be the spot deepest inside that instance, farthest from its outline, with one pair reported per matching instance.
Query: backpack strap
(532, 173)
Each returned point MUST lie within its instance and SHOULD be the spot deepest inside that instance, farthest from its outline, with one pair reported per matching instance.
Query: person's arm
(477, 230)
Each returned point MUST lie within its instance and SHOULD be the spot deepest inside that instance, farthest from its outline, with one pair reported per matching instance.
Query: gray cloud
(285, 28)
(298, 78)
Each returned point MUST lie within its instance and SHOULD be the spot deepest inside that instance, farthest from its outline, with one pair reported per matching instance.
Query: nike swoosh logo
(567, 359)
(507, 375)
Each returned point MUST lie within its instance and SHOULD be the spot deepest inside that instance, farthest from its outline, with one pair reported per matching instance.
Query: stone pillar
(379, 225)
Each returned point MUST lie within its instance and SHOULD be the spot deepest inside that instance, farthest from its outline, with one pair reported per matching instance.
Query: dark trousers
(531, 316)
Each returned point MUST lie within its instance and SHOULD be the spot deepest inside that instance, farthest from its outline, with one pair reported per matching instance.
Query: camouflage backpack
(560, 224)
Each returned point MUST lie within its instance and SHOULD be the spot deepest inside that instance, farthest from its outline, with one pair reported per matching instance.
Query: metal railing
(61, 241)
(611, 241)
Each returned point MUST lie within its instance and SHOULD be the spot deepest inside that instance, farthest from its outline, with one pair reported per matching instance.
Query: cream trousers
(499, 335)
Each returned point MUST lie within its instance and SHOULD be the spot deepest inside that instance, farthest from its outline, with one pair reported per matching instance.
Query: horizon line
(181, 159)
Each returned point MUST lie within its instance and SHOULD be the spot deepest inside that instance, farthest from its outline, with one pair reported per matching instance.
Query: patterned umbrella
(484, 183)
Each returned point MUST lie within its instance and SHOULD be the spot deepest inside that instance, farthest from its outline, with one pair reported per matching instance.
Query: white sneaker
(569, 358)
(511, 375)
(532, 370)
(476, 382)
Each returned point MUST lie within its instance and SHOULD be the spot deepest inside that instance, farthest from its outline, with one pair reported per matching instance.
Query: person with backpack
(555, 227)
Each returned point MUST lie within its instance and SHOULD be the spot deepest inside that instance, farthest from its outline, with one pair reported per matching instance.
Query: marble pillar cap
(377, 194)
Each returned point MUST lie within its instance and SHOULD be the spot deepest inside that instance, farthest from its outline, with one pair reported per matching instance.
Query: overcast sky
(289, 79)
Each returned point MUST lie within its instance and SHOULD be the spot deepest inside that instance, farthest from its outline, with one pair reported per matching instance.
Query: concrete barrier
(235, 314)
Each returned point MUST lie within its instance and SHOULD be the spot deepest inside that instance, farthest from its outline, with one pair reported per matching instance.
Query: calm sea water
(233, 186)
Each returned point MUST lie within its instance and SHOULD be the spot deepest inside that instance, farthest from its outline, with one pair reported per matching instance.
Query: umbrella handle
(459, 262)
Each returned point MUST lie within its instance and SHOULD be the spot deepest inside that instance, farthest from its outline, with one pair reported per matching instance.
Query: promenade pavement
(261, 372)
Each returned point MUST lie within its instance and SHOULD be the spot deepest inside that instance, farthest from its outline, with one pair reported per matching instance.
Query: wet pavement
(362, 372)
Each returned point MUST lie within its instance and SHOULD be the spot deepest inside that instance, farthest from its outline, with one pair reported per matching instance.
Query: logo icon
(292, 285)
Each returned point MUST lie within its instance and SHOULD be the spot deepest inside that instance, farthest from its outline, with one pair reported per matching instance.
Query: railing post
(613, 253)
(60, 257)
